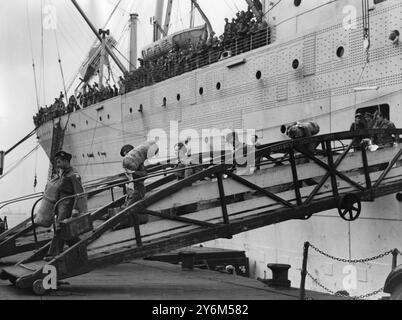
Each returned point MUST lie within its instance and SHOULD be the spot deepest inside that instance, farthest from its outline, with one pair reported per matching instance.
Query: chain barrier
(380, 256)
(338, 294)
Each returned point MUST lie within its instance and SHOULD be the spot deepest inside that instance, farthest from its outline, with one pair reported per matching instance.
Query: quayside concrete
(149, 280)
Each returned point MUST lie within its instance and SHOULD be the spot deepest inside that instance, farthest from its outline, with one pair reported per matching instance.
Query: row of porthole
(92, 155)
(218, 87)
(200, 91)
(87, 122)
(339, 53)
(295, 64)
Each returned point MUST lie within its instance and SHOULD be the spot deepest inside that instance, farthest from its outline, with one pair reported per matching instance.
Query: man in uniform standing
(384, 139)
(69, 184)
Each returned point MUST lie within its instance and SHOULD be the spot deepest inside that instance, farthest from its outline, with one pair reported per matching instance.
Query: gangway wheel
(349, 207)
(38, 288)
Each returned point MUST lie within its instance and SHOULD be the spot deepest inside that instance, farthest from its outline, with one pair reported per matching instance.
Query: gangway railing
(236, 204)
(7, 240)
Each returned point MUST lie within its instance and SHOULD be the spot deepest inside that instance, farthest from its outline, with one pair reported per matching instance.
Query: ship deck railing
(232, 48)
(145, 77)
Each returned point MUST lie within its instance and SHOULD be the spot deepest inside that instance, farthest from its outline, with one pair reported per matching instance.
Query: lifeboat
(180, 39)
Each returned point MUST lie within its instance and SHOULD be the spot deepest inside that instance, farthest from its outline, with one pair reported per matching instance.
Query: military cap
(126, 149)
(358, 115)
(63, 156)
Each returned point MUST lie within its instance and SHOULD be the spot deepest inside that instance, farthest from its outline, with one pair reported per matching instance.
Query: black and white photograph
(200, 156)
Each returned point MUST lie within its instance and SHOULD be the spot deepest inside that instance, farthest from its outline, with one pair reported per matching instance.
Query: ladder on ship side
(57, 145)
(229, 204)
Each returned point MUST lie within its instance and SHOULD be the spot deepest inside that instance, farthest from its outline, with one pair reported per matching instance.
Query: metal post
(103, 34)
(304, 272)
(395, 254)
(225, 214)
(111, 190)
(295, 177)
(137, 230)
(331, 164)
(33, 223)
(133, 41)
(366, 168)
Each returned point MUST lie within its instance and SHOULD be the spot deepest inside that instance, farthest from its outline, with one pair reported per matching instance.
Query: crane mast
(168, 16)
(98, 35)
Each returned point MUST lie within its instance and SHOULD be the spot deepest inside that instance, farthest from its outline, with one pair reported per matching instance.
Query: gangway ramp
(24, 238)
(230, 204)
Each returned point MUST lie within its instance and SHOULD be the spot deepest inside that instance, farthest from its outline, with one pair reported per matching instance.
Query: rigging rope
(60, 64)
(118, 51)
(20, 142)
(273, 6)
(234, 12)
(61, 67)
(42, 61)
(366, 27)
(36, 172)
(19, 162)
(32, 55)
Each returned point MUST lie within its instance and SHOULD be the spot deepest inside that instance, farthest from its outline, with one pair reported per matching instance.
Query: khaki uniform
(386, 138)
(137, 195)
(69, 183)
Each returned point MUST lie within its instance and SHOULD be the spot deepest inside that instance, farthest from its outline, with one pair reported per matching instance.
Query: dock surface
(151, 280)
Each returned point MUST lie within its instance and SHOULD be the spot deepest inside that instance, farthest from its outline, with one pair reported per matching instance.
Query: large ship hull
(320, 89)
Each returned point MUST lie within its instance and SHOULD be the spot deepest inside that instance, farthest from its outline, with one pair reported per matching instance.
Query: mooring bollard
(187, 259)
(304, 272)
(280, 278)
(395, 254)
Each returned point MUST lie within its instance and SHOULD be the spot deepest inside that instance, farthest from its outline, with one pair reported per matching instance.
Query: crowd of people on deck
(237, 38)
(90, 94)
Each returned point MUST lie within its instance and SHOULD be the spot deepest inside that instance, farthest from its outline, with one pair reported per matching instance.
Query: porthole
(218, 86)
(201, 91)
(178, 97)
(340, 52)
(258, 75)
(141, 109)
(297, 3)
(295, 64)
(83, 155)
(131, 110)
(100, 119)
(108, 116)
(87, 122)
